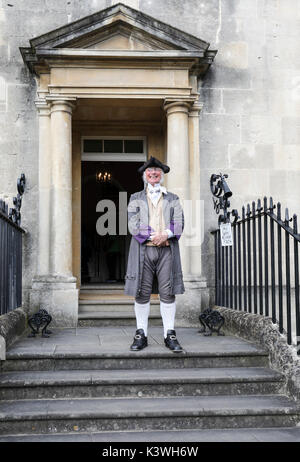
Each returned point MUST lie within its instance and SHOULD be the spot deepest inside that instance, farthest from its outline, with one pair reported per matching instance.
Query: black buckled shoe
(172, 342)
(139, 341)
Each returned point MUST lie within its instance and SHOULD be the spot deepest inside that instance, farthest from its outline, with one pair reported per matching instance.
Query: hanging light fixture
(103, 177)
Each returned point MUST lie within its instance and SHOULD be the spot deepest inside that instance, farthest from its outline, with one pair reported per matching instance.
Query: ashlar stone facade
(234, 111)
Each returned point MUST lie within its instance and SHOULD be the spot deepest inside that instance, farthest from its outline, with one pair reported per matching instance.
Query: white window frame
(112, 156)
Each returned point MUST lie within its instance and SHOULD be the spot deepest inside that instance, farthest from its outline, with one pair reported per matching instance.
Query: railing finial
(295, 225)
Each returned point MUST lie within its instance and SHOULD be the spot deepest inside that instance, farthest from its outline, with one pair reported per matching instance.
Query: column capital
(176, 106)
(43, 107)
(195, 110)
(61, 104)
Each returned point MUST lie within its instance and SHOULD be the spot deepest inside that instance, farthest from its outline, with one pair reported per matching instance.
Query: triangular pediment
(120, 42)
(106, 21)
(117, 28)
(119, 36)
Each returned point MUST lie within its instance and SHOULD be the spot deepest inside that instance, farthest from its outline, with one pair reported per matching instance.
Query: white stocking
(142, 313)
(167, 311)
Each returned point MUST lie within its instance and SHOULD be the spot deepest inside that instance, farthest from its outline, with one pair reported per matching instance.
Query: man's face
(153, 175)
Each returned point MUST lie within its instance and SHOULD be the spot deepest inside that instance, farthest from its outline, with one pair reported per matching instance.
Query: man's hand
(159, 239)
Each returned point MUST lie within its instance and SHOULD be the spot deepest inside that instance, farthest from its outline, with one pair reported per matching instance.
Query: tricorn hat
(153, 162)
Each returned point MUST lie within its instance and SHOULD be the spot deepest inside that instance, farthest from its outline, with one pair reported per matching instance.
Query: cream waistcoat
(156, 216)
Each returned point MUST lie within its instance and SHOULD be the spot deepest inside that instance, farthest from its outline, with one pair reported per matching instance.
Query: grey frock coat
(138, 224)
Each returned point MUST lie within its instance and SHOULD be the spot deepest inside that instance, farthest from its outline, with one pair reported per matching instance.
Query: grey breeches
(157, 260)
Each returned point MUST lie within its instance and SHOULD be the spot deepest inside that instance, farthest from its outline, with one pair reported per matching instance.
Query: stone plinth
(190, 304)
(58, 296)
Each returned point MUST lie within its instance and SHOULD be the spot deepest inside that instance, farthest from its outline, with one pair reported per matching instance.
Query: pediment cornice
(89, 36)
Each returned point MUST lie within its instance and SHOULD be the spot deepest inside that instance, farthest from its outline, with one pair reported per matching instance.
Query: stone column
(61, 229)
(45, 171)
(197, 208)
(184, 180)
(178, 161)
(195, 284)
(54, 288)
(76, 195)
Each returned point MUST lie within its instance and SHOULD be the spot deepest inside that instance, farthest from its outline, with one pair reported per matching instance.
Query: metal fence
(259, 272)
(11, 253)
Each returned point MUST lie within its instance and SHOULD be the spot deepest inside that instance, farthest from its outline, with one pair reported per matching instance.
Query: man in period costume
(155, 220)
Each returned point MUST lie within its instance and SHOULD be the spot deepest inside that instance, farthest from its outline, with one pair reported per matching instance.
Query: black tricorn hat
(153, 162)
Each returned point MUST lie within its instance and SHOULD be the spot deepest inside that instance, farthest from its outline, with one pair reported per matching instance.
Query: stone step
(234, 435)
(141, 383)
(112, 310)
(114, 305)
(110, 298)
(102, 287)
(102, 291)
(109, 348)
(119, 414)
(114, 318)
(79, 359)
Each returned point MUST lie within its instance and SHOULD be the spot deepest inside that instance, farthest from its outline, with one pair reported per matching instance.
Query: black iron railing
(11, 253)
(259, 272)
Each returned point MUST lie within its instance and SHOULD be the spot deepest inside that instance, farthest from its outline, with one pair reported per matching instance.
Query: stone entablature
(126, 52)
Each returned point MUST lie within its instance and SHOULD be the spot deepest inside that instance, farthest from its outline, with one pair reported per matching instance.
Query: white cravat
(155, 192)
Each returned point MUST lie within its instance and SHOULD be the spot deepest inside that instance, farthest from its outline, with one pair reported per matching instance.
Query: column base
(190, 304)
(59, 296)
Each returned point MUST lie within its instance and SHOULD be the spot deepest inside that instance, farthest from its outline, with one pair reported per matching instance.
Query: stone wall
(260, 329)
(12, 327)
(251, 101)
(249, 126)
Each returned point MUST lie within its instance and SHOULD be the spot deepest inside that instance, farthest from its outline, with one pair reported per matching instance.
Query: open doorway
(104, 257)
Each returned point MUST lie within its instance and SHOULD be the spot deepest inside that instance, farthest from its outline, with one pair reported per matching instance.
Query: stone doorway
(106, 187)
(116, 71)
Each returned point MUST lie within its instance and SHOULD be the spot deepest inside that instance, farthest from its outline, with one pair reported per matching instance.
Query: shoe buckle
(173, 337)
(138, 337)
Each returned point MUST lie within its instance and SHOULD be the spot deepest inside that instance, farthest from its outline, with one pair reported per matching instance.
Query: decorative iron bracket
(212, 321)
(14, 213)
(220, 189)
(39, 319)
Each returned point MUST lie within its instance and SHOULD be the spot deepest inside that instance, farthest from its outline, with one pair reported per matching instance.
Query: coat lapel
(166, 210)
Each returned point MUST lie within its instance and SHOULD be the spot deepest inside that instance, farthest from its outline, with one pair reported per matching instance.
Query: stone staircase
(85, 384)
(106, 305)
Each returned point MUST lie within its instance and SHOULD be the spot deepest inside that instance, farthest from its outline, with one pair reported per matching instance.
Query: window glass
(113, 145)
(134, 146)
(92, 146)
